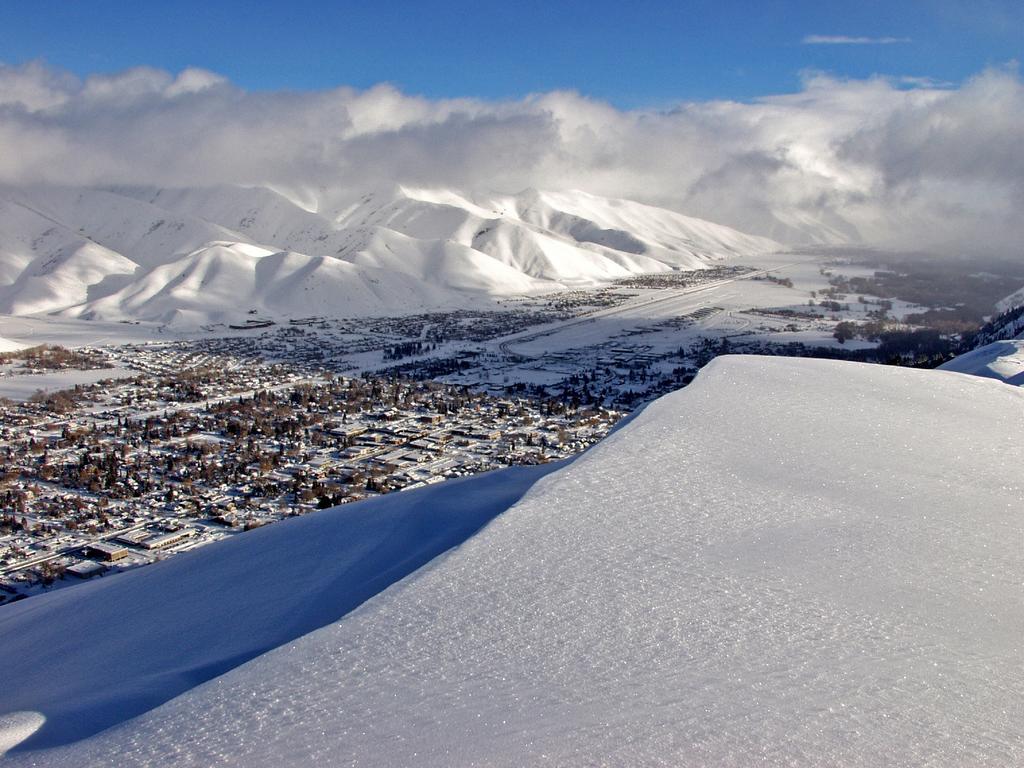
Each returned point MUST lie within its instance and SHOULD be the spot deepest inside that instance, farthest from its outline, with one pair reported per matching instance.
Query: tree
(845, 330)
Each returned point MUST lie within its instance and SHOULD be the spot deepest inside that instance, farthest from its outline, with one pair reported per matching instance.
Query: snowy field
(22, 387)
(32, 331)
(790, 562)
(719, 309)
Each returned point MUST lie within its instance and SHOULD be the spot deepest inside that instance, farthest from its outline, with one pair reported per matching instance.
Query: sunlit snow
(790, 562)
(198, 255)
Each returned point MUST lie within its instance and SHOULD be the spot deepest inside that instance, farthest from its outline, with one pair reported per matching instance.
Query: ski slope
(790, 562)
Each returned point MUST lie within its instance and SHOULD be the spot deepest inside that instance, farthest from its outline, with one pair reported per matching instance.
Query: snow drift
(789, 562)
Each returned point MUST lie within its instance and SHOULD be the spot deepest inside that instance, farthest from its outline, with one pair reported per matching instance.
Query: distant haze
(883, 161)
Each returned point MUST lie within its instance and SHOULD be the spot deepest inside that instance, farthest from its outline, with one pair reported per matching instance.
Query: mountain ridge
(127, 252)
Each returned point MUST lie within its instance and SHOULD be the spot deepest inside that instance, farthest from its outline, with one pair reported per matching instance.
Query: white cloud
(913, 81)
(911, 166)
(851, 40)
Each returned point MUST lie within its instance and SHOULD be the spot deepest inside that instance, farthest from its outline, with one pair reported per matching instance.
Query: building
(133, 538)
(85, 569)
(165, 540)
(107, 551)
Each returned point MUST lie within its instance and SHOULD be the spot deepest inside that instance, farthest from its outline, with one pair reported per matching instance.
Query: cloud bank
(922, 166)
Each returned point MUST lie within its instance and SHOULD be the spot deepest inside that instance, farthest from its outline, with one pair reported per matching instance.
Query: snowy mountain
(169, 255)
(739, 575)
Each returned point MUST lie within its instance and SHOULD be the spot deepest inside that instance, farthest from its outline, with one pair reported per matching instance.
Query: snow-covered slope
(569, 235)
(147, 234)
(1012, 301)
(1002, 360)
(223, 281)
(92, 656)
(68, 276)
(133, 252)
(9, 345)
(789, 562)
(998, 351)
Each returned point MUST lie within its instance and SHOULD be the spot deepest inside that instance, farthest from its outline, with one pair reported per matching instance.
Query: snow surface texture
(15, 727)
(95, 655)
(790, 562)
(192, 256)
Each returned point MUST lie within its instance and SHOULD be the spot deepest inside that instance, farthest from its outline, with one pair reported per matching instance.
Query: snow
(1002, 360)
(23, 386)
(9, 345)
(665, 229)
(172, 255)
(1012, 301)
(96, 654)
(790, 562)
(32, 331)
(15, 727)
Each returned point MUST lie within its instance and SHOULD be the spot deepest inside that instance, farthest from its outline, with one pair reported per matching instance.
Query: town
(136, 451)
(198, 446)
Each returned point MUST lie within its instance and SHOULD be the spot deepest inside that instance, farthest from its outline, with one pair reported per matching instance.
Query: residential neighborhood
(196, 447)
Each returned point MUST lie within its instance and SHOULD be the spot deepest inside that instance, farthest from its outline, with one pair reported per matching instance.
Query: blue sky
(632, 54)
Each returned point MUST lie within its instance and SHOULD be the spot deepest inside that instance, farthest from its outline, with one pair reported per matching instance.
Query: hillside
(151, 254)
(117, 647)
(1012, 301)
(789, 562)
(996, 351)
(1000, 360)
